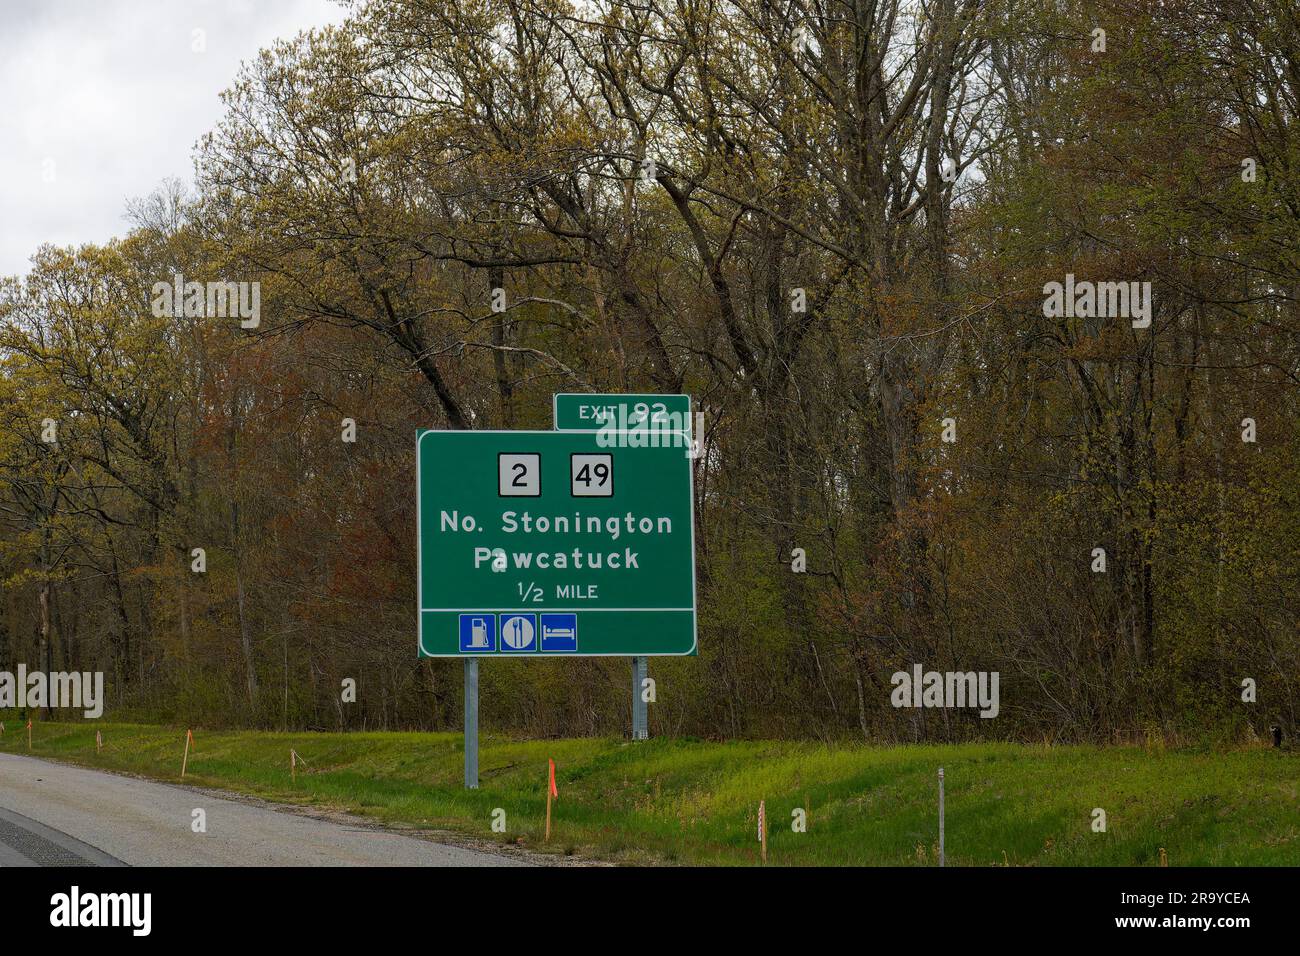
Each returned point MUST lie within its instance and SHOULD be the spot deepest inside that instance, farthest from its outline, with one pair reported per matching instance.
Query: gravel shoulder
(91, 817)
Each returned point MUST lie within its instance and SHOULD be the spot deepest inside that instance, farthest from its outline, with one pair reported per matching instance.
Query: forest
(990, 309)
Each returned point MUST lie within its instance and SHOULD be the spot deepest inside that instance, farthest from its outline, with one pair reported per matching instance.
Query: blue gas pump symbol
(478, 633)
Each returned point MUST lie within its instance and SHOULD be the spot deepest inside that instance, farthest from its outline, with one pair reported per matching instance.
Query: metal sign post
(471, 723)
(640, 709)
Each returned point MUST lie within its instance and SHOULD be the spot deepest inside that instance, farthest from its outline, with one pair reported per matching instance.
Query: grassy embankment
(687, 801)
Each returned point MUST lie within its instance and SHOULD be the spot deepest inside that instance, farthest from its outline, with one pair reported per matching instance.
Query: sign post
(640, 710)
(471, 723)
(561, 543)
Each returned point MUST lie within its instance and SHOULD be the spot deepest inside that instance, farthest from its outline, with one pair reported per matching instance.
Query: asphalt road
(55, 815)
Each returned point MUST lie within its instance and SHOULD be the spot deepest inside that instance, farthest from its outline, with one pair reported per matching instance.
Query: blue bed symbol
(559, 633)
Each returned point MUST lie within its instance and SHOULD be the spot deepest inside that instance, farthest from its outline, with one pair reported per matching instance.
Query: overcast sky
(100, 100)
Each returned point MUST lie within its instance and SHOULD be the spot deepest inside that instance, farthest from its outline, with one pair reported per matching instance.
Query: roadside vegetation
(689, 801)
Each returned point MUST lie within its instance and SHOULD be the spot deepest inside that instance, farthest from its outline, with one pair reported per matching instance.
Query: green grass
(686, 801)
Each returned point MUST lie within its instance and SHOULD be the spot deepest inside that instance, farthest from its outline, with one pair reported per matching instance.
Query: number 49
(592, 476)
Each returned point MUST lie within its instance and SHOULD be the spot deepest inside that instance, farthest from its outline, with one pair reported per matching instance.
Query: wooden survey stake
(189, 738)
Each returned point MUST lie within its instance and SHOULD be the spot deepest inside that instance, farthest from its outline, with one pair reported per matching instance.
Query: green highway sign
(585, 412)
(553, 543)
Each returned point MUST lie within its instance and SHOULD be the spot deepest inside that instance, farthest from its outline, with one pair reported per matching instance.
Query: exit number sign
(583, 412)
(555, 543)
